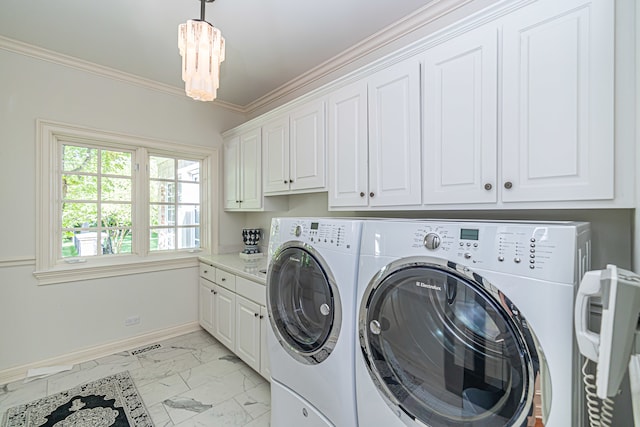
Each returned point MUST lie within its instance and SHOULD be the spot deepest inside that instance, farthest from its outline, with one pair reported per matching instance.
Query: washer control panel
(328, 233)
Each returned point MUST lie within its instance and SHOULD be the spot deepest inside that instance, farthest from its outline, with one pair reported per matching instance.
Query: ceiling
(268, 42)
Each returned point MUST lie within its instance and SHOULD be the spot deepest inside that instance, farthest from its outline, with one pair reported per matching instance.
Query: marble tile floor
(189, 381)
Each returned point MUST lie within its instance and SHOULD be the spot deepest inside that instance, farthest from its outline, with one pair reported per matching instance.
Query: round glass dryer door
(446, 348)
(303, 302)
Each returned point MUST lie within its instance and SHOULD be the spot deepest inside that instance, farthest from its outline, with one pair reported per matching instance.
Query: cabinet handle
(488, 186)
(372, 194)
(286, 182)
(362, 194)
(256, 314)
(508, 185)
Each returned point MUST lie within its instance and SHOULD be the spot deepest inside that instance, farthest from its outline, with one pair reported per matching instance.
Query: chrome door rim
(320, 354)
(533, 348)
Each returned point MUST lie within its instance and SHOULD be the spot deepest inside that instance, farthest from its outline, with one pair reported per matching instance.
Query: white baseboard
(20, 372)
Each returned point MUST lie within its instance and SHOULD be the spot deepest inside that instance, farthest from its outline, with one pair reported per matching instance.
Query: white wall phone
(618, 344)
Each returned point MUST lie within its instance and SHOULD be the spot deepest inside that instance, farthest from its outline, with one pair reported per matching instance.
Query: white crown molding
(20, 372)
(36, 52)
(410, 23)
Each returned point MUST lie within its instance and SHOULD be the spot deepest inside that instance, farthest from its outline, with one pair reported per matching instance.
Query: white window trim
(49, 270)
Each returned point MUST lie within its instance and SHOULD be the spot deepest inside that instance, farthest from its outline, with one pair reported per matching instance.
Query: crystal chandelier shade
(201, 46)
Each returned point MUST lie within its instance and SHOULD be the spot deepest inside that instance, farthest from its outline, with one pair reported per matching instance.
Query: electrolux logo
(428, 286)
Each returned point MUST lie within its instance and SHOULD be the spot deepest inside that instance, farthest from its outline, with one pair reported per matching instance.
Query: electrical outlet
(132, 320)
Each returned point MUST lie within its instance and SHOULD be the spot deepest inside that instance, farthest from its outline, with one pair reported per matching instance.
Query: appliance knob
(431, 241)
(298, 231)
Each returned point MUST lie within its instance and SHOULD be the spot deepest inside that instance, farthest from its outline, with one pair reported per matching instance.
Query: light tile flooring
(191, 380)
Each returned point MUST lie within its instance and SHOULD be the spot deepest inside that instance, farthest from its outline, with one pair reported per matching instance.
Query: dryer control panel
(538, 250)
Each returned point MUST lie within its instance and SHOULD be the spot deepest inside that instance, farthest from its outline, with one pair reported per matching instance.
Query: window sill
(87, 271)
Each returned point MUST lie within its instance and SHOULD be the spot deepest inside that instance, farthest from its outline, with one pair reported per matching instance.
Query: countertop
(251, 269)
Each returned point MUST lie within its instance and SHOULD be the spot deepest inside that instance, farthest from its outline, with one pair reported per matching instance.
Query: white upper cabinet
(294, 156)
(242, 171)
(557, 102)
(374, 140)
(348, 147)
(460, 119)
(394, 135)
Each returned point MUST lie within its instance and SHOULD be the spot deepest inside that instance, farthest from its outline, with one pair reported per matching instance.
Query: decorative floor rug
(110, 401)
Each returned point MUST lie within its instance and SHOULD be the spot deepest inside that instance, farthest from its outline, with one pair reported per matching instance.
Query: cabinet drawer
(226, 279)
(208, 272)
(251, 290)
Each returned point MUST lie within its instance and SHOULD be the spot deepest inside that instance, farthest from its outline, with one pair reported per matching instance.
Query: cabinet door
(265, 364)
(394, 135)
(251, 169)
(224, 316)
(247, 345)
(231, 173)
(460, 119)
(307, 147)
(205, 305)
(557, 118)
(275, 136)
(347, 147)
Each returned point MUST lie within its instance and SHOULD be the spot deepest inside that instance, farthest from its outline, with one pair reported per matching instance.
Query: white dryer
(311, 288)
(465, 323)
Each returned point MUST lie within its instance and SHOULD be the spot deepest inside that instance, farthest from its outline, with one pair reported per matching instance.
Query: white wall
(41, 322)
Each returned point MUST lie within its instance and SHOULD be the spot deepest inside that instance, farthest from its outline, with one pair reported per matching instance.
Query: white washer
(464, 323)
(311, 287)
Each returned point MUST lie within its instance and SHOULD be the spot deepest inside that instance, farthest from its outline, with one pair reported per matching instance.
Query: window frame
(51, 268)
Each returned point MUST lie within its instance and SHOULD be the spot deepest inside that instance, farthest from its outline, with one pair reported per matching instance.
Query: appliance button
(531, 266)
(532, 261)
(533, 245)
(500, 258)
(431, 241)
(517, 260)
(532, 250)
(533, 239)
(467, 255)
(532, 256)
(468, 244)
(475, 245)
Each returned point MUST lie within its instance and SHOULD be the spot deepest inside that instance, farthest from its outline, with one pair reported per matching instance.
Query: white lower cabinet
(233, 310)
(248, 332)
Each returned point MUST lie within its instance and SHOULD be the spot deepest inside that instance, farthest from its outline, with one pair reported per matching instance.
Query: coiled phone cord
(600, 410)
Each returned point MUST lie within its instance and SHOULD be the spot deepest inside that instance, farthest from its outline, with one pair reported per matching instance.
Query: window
(112, 204)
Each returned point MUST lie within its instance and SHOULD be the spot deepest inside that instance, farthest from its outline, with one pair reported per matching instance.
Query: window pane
(188, 238)
(116, 215)
(163, 192)
(79, 159)
(188, 193)
(86, 243)
(68, 245)
(162, 167)
(79, 187)
(79, 215)
(116, 189)
(188, 170)
(188, 214)
(162, 215)
(162, 239)
(116, 163)
(116, 241)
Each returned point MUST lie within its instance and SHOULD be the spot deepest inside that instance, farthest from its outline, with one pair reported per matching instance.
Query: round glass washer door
(303, 303)
(445, 348)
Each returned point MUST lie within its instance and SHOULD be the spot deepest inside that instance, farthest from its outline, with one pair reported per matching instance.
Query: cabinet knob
(212, 291)
(206, 271)
(256, 314)
(261, 316)
(286, 182)
(291, 181)
(215, 293)
(362, 194)
(372, 194)
(224, 279)
(488, 186)
(508, 185)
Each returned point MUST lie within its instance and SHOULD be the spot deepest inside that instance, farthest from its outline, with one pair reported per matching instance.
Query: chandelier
(202, 49)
